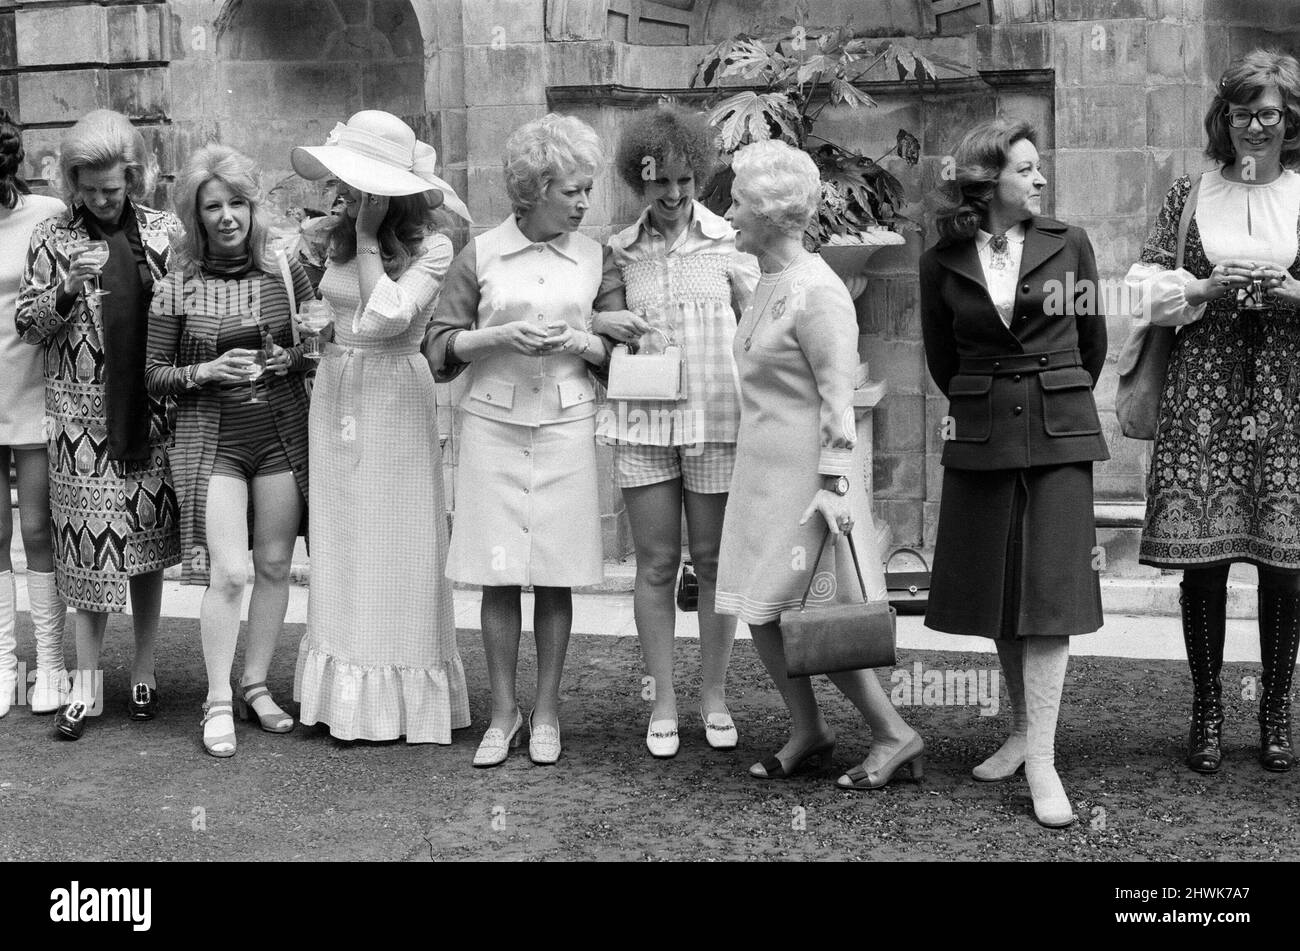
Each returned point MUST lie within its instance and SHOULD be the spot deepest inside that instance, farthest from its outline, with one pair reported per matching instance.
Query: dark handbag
(1144, 359)
(688, 588)
(831, 638)
(909, 591)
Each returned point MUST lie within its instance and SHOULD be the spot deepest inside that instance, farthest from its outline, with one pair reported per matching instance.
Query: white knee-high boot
(8, 640)
(49, 615)
(1006, 762)
(1045, 661)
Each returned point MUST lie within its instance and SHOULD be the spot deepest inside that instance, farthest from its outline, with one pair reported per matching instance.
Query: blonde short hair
(781, 182)
(237, 172)
(100, 140)
(546, 149)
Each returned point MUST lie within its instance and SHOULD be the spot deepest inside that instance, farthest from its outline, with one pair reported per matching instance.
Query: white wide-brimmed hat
(377, 153)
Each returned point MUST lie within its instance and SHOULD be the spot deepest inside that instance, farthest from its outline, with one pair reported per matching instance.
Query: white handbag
(647, 376)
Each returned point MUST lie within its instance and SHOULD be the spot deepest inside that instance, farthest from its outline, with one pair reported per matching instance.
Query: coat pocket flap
(969, 385)
(1066, 378)
(575, 392)
(494, 392)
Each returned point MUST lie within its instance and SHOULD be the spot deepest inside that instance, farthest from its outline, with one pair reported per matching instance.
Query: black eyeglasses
(1241, 118)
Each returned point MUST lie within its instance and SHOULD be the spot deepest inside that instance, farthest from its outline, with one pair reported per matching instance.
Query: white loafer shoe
(661, 738)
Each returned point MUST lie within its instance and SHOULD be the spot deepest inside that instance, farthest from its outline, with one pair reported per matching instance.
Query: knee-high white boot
(1010, 757)
(49, 615)
(1045, 661)
(8, 641)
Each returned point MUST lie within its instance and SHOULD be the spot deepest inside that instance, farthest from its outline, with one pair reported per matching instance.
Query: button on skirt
(527, 510)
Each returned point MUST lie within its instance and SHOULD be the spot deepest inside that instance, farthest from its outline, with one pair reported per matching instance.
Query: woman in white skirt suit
(515, 309)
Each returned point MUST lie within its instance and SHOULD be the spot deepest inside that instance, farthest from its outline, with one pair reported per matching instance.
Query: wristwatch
(840, 486)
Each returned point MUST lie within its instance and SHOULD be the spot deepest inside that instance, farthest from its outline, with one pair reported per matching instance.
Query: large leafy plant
(795, 72)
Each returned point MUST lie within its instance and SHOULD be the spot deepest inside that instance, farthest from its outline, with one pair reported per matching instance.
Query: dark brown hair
(11, 160)
(1243, 81)
(662, 133)
(408, 222)
(979, 160)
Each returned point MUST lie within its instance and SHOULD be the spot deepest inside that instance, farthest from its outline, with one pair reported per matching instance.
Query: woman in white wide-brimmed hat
(379, 659)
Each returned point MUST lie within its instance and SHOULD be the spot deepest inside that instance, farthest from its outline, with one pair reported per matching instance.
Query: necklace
(759, 311)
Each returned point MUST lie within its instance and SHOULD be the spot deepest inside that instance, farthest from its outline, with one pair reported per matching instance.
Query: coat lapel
(1043, 238)
(960, 257)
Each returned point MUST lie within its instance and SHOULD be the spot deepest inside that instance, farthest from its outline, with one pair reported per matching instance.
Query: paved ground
(147, 791)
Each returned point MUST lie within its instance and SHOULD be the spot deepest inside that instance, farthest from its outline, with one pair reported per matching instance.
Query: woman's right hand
(82, 269)
(1226, 277)
(523, 336)
(621, 325)
(231, 367)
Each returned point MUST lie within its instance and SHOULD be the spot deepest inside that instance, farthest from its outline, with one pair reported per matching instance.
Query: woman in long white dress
(379, 659)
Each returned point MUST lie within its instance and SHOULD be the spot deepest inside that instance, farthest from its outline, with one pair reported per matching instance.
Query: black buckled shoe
(70, 721)
(1204, 625)
(143, 702)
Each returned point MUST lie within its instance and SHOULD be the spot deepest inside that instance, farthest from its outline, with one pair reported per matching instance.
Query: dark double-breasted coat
(1015, 554)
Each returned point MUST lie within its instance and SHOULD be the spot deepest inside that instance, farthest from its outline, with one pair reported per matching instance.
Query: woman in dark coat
(1014, 339)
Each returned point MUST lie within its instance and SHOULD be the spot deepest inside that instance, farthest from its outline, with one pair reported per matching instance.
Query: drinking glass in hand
(314, 316)
(258, 367)
(94, 252)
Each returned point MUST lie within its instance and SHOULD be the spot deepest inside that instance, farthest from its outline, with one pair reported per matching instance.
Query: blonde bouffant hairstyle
(780, 182)
(100, 140)
(238, 172)
(545, 149)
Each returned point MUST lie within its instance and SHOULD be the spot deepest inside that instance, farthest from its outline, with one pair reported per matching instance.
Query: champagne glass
(314, 316)
(96, 252)
(258, 368)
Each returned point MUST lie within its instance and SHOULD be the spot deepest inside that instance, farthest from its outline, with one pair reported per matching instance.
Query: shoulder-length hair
(11, 160)
(980, 157)
(237, 172)
(655, 136)
(541, 151)
(100, 140)
(1244, 80)
(409, 221)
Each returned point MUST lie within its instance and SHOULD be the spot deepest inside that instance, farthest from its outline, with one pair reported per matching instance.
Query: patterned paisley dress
(1224, 482)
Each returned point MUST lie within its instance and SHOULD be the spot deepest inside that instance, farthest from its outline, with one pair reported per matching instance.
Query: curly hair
(1243, 81)
(100, 140)
(980, 158)
(780, 181)
(237, 172)
(11, 160)
(661, 134)
(401, 234)
(539, 152)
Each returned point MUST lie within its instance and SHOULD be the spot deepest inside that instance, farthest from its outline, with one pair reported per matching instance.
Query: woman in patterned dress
(115, 514)
(22, 439)
(225, 290)
(682, 271)
(516, 311)
(796, 351)
(379, 659)
(1224, 483)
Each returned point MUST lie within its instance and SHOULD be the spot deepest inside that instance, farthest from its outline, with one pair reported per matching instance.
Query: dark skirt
(1016, 554)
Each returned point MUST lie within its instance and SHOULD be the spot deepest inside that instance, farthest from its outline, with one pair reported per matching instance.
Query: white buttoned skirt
(527, 510)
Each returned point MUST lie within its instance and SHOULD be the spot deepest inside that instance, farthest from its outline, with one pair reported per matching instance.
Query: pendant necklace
(767, 300)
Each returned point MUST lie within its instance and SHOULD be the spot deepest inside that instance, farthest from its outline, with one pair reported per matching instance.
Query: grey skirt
(1016, 554)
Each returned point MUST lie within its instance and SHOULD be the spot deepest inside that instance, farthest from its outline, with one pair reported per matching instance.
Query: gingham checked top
(694, 292)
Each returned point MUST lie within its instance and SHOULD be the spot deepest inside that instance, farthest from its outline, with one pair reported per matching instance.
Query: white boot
(8, 641)
(1010, 757)
(48, 618)
(1045, 661)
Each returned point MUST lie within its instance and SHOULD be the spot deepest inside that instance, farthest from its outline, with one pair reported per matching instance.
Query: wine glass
(314, 316)
(96, 252)
(258, 368)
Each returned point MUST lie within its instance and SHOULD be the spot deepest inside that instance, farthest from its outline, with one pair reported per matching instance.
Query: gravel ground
(148, 792)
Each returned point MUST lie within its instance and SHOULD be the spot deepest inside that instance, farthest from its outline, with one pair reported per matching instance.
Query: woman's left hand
(835, 509)
(277, 361)
(559, 336)
(1279, 284)
(371, 213)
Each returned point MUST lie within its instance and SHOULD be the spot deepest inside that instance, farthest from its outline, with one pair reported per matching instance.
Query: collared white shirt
(1001, 281)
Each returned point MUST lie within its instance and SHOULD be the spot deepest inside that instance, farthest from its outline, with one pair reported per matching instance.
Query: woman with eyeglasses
(1224, 483)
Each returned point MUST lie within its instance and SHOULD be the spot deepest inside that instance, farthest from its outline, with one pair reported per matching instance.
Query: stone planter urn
(849, 259)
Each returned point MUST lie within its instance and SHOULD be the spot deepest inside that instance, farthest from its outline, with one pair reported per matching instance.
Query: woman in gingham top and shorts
(685, 279)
